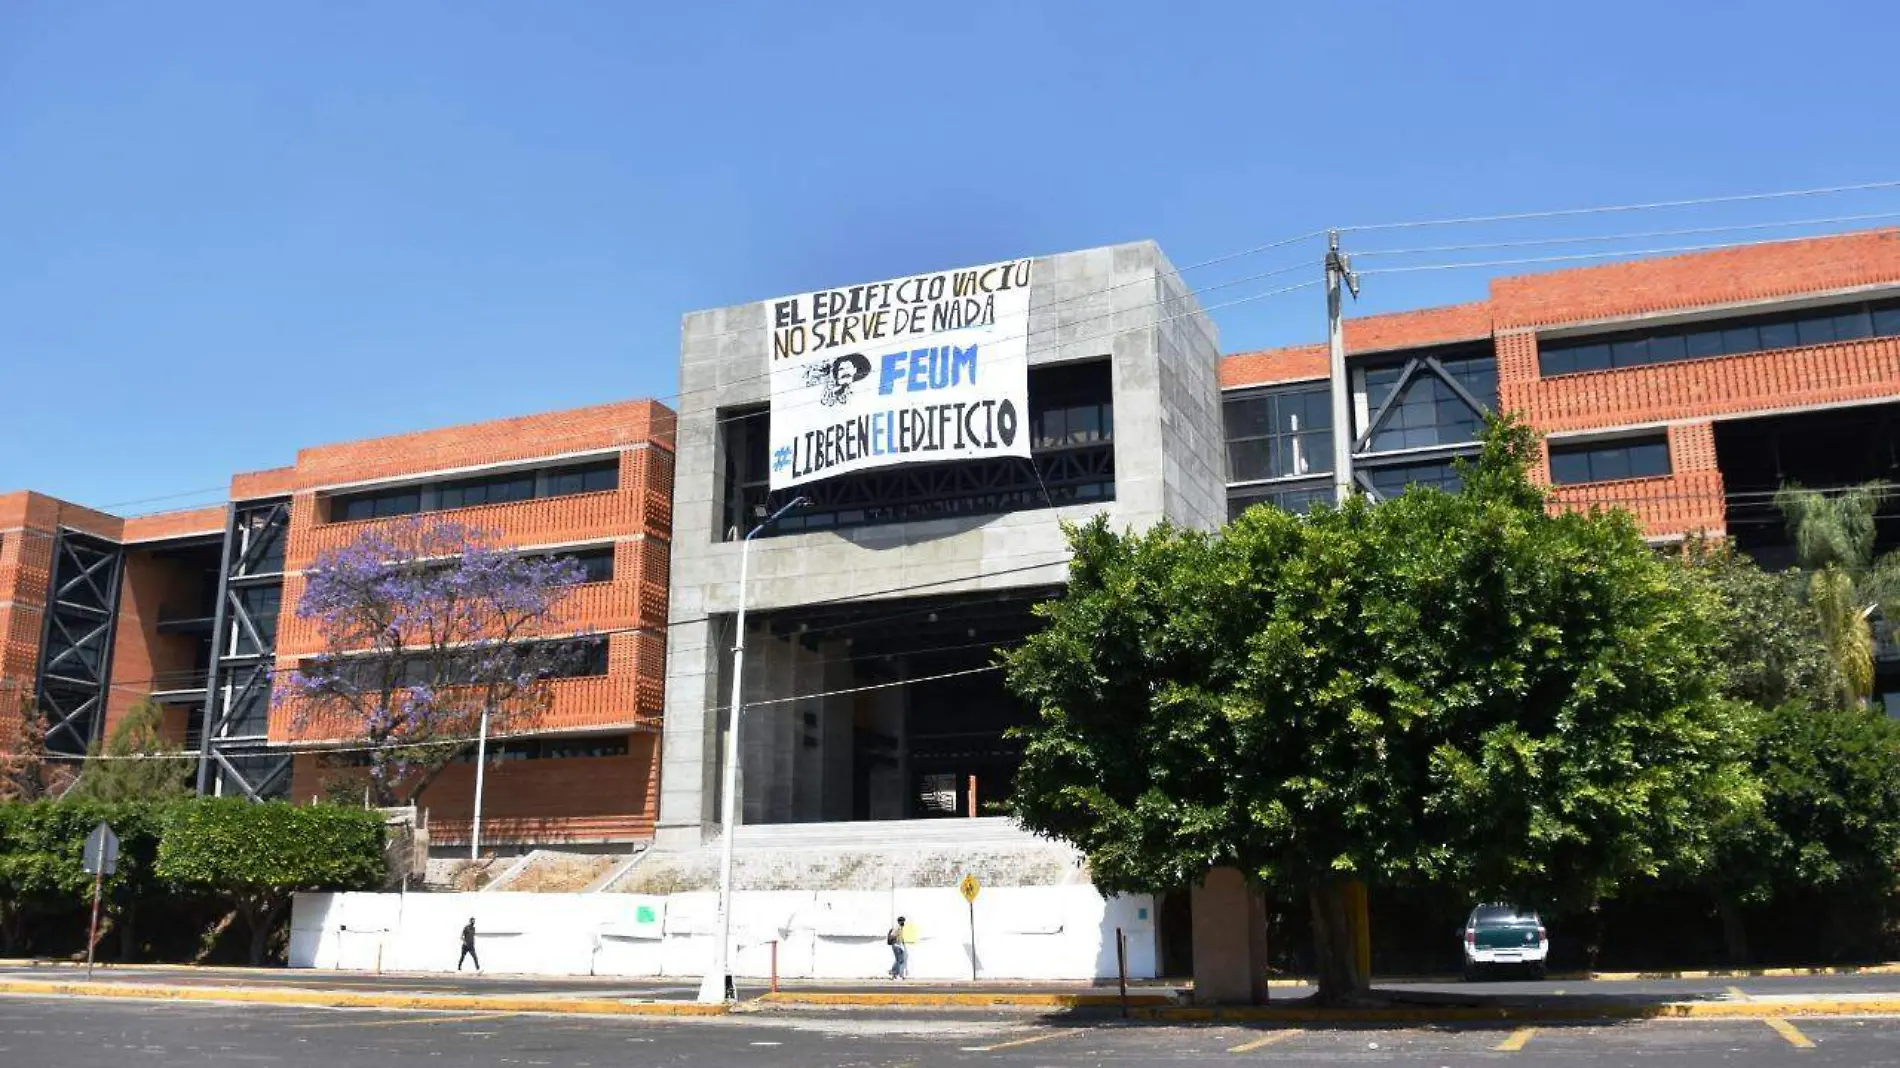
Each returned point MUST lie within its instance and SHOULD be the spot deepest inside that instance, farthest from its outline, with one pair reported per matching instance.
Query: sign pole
(92, 934)
(969, 887)
(973, 940)
(99, 858)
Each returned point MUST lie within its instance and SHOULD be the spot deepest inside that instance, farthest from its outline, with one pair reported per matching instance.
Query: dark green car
(1505, 936)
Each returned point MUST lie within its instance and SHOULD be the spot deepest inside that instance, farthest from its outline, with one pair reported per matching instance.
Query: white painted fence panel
(1030, 932)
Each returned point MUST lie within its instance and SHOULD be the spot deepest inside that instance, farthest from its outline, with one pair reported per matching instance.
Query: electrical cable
(1640, 235)
(1691, 202)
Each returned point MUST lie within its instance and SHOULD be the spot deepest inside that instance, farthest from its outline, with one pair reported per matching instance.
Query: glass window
(1817, 326)
(1591, 357)
(1664, 348)
(1568, 468)
(1778, 335)
(601, 477)
(1630, 352)
(1817, 330)
(1274, 435)
(1703, 344)
(1649, 459)
(1392, 481)
(1608, 461)
(1557, 361)
(1852, 325)
(1427, 413)
(1740, 339)
(1298, 499)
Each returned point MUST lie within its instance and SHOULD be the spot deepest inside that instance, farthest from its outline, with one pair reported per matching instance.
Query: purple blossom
(425, 625)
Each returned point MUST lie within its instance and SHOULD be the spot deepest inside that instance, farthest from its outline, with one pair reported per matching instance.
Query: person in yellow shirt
(900, 939)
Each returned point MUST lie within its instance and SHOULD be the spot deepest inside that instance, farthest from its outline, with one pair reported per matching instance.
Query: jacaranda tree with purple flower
(425, 625)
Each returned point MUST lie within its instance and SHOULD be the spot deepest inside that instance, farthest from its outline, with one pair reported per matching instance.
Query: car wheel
(1537, 973)
(1471, 972)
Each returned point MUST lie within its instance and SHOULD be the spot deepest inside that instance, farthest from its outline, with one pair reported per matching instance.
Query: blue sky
(229, 230)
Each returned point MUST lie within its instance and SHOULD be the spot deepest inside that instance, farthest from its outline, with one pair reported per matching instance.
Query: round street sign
(969, 888)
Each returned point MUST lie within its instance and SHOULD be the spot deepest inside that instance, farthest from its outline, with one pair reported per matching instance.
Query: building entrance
(882, 710)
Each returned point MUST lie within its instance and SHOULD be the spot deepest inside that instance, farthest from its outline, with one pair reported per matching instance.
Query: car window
(1503, 914)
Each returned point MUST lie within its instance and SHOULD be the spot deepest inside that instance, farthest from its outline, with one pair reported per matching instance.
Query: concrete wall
(1040, 932)
(1122, 302)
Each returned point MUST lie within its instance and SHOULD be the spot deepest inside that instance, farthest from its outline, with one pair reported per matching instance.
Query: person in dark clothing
(468, 947)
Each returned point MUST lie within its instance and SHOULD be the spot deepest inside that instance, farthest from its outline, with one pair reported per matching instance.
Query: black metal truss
(234, 757)
(1364, 458)
(912, 493)
(82, 605)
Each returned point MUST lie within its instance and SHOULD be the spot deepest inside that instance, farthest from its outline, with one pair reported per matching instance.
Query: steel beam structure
(75, 669)
(234, 756)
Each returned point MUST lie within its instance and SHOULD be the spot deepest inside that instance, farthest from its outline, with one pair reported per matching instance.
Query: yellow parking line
(1012, 1043)
(412, 1020)
(1264, 1040)
(1739, 994)
(1517, 1040)
(1791, 1033)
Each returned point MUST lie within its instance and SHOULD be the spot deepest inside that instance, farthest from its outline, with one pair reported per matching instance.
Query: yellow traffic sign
(969, 888)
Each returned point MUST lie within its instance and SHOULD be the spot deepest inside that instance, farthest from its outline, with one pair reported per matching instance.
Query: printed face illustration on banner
(920, 369)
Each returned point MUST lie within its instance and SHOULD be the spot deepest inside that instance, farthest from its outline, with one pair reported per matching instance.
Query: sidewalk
(1640, 997)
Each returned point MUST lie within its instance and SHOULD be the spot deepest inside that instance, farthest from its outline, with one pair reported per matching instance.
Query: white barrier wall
(1024, 932)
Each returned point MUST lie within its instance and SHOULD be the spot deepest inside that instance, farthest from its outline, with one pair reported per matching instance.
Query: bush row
(187, 871)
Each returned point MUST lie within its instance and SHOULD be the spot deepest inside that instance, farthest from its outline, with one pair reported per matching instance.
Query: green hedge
(181, 864)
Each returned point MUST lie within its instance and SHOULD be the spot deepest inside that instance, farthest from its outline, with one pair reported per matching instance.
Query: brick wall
(1683, 396)
(577, 799)
(630, 610)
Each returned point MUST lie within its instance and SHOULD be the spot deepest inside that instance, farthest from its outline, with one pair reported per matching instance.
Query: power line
(315, 747)
(590, 440)
(1611, 208)
(1565, 258)
(1641, 235)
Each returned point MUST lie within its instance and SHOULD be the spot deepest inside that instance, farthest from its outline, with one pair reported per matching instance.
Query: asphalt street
(76, 1033)
(1640, 990)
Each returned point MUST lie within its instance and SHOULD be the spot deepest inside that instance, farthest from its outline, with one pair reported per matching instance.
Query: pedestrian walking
(468, 947)
(899, 939)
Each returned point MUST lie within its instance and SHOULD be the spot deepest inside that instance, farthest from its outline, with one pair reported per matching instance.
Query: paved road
(1645, 990)
(75, 1033)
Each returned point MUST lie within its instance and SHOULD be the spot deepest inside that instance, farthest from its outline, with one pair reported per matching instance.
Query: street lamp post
(717, 986)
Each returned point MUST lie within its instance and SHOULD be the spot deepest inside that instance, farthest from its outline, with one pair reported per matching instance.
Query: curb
(1001, 999)
(339, 999)
(1674, 1010)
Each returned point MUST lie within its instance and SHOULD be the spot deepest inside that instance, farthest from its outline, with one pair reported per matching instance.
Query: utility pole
(1339, 269)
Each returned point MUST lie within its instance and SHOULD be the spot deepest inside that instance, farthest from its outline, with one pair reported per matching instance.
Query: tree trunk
(1335, 954)
(128, 934)
(262, 918)
(1734, 929)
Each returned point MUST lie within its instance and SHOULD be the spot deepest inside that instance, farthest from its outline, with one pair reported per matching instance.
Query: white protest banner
(927, 368)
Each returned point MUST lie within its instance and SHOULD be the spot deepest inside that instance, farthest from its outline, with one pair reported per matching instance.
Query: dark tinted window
(1608, 461)
(1279, 434)
(1760, 333)
(1297, 499)
(1394, 480)
(1504, 914)
(522, 485)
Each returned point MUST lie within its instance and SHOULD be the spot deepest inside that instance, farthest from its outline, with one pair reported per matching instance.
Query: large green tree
(1456, 689)
(1828, 769)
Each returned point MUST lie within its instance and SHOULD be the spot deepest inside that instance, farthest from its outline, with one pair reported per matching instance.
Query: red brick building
(196, 609)
(1686, 389)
